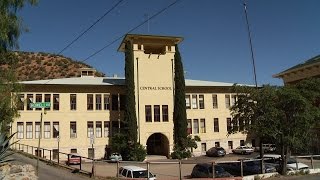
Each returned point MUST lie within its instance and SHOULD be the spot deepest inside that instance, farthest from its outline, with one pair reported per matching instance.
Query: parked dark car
(216, 151)
(249, 168)
(204, 170)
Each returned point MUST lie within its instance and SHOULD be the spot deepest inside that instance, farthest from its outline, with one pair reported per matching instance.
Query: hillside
(36, 66)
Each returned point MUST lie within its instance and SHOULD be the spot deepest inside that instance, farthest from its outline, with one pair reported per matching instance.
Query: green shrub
(137, 153)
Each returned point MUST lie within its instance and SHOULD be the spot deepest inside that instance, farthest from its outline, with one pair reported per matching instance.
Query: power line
(84, 32)
(134, 28)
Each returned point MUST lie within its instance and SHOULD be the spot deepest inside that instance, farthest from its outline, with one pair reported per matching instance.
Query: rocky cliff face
(17, 172)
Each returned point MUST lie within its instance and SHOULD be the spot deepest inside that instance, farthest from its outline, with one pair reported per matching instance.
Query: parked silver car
(243, 150)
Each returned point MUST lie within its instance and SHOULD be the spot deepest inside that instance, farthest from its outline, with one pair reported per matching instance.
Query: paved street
(47, 172)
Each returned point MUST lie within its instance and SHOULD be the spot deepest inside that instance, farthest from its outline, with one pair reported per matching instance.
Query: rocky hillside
(36, 66)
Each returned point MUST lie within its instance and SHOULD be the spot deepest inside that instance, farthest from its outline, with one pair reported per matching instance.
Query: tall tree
(130, 118)
(10, 30)
(179, 113)
(282, 114)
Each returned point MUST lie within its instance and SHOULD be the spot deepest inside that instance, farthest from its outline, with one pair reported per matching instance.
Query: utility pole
(251, 47)
(255, 77)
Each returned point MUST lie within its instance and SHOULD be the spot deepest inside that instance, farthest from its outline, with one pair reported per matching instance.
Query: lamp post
(58, 140)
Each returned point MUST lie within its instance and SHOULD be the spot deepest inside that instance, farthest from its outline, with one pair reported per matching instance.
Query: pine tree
(130, 118)
(179, 113)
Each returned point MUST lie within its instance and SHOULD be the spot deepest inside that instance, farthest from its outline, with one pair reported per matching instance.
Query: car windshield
(291, 161)
(141, 174)
(220, 148)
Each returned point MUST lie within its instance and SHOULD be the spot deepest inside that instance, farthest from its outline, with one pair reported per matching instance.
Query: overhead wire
(84, 32)
(132, 29)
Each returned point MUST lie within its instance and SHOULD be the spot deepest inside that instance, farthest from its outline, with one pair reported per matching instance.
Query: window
(189, 127)
(90, 128)
(188, 104)
(98, 129)
(253, 143)
(98, 102)
(215, 101)
(37, 152)
(20, 130)
(73, 102)
(241, 142)
(21, 102)
(165, 117)
(203, 147)
(73, 129)
(156, 113)
(55, 129)
(194, 102)
(114, 101)
(233, 100)
(29, 100)
(89, 101)
(227, 98)
(38, 99)
(73, 151)
(47, 130)
(230, 144)
(47, 98)
(29, 130)
(106, 128)
(91, 153)
(241, 125)
(106, 101)
(55, 101)
(37, 129)
(229, 124)
(201, 101)
(217, 144)
(122, 102)
(195, 126)
(203, 125)
(148, 113)
(55, 153)
(216, 125)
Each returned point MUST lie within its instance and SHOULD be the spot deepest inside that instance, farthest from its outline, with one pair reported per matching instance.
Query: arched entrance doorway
(158, 144)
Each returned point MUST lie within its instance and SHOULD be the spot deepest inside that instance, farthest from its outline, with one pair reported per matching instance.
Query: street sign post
(40, 105)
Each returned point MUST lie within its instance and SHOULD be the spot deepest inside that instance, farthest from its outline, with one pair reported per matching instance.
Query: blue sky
(215, 46)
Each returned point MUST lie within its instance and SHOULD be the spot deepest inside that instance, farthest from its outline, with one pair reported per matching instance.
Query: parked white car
(243, 150)
(135, 172)
(292, 164)
(267, 148)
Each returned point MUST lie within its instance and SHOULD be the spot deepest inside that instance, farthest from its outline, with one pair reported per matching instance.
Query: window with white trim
(201, 101)
(106, 128)
(195, 126)
(73, 129)
(20, 130)
(47, 130)
(37, 130)
(90, 129)
(188, 103)
(55, 129)
(203, 125)
(227, 99)
(98, 129)
(194, 101)
(29, 130)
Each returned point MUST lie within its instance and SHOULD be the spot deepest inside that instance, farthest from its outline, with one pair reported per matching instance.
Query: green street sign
(40, 105)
